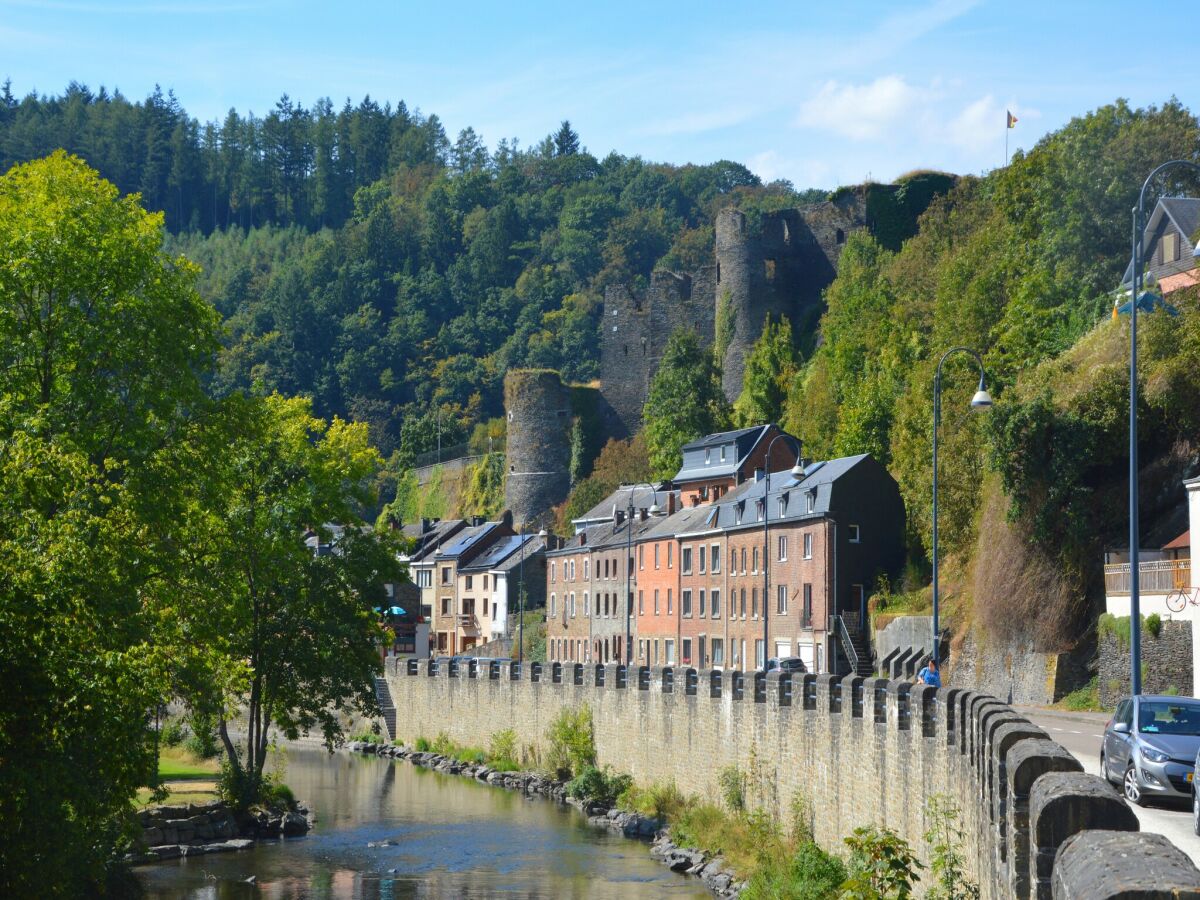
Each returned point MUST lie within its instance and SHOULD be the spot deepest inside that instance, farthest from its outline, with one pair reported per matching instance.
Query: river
(454, 837)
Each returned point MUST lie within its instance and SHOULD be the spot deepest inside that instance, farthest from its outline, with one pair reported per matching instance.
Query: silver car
(1150, 747)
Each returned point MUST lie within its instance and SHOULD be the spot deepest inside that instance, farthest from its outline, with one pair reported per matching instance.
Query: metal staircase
(384, 696)
(855, 647)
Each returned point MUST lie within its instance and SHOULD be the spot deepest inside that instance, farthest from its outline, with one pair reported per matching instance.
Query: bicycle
(1181, 597)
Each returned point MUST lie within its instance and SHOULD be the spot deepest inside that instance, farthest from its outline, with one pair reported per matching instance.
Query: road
(1081, 734)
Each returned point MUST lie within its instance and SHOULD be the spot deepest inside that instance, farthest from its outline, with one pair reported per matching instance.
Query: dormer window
(758, 506)
(707, 456)
(783, 505)
(811, 498)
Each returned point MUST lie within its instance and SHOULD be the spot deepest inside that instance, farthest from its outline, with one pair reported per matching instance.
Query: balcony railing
(468, 622)
(1158, 576)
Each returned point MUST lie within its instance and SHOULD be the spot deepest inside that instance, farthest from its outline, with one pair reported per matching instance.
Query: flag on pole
(1012, 120)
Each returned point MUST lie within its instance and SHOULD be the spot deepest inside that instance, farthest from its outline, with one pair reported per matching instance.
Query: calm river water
(453, 838)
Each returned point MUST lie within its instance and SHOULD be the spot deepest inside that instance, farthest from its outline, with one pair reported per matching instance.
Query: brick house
(717, 463)
(568, 630)
(657, 600)
(426, 538)
(484, 584)
(457, 601)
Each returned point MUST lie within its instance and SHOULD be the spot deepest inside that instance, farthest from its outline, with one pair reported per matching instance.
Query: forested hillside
(361, 257)
(1019, 265)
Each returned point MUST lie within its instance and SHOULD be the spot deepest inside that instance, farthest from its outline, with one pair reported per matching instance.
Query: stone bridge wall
(862, 752)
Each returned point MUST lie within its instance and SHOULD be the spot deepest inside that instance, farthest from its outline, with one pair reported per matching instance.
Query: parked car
(787, 664)
(1150, 748)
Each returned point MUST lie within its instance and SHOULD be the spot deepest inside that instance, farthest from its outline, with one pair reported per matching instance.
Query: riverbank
(710, 869)
(196, 829)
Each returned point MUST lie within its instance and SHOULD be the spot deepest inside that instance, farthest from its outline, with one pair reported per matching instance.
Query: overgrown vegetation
(571, 742)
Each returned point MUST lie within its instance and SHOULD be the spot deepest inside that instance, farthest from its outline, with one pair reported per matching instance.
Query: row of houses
(713, 570)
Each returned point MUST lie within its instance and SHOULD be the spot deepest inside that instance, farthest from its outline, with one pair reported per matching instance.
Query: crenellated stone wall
(861, 751)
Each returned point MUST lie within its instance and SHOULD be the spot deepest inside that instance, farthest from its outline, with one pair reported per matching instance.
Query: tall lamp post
(980, 402)
(521, 595)
(1135, 286)
(797, 473)
(629, 564)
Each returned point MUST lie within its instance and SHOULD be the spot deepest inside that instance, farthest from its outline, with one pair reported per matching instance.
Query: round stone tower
(538, 408)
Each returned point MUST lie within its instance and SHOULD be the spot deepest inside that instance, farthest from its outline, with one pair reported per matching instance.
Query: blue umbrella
(1147, 303)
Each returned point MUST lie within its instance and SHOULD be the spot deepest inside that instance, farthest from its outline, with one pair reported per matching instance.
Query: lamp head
(798, 470)
(542, 533)
(654, 509)
(982, 400)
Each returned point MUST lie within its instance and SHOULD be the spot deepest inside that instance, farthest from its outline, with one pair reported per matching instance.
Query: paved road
(1081, 734)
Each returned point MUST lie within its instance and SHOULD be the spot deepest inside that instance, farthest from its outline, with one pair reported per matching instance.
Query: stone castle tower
(538, 455)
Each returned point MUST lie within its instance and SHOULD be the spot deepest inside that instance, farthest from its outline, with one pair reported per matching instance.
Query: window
(781, 600)
(687, 651)
(758, 509)
(702, 548)
(572, 576)
(425, 578)
(855, 534)
(858, 595)
(758, 653)
(587, 565)
(810, 499)
(669, 651)
(656, 601)
(553, 572)
(783, 548)
(715, 601)
(841, 236)
(782, 506)
(718, 653)
(670, 554)
(754, 602)
(707, 456)
(808, 546)
(722, 454)
(1170, 247)
(702, 606)
(445, 606)
(716, 559)
(743, 560)
(743, 603)
(468, 584)
(553, 605)
(485, 582)
(445, 574)
(755, 560)
(641, 603)
(806, 619)
(685, 602)
(597, 601)
(656, 651)
(670, 605)
(565, 603)
(641, 557)
(495, 610)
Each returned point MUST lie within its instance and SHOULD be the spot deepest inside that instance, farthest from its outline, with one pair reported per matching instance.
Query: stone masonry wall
(860, 751)
(1166, 663)
(538, 452)
(1015, 672)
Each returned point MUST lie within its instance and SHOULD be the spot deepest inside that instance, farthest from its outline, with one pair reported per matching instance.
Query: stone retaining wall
(1166, 663)
(861, 751)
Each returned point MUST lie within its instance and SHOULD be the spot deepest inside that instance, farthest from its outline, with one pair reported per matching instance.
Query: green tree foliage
(301, 625)
(1018, 265)
(771, 367)
(619, 462)
(685, 401)
(102, 340)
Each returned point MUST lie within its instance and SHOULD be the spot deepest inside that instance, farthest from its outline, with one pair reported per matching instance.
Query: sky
(820, 94)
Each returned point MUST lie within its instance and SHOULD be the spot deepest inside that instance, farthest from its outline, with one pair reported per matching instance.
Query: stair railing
(847, 644)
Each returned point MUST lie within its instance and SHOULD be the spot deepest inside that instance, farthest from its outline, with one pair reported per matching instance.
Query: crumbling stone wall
(538, 452)
(861, 751)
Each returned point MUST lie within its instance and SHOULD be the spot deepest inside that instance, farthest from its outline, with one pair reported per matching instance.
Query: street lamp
(1135, 600)
(629, 563)
(981, 402)
(797, 473)
(521, 594)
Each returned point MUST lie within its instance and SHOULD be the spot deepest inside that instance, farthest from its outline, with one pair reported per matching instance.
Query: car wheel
(1104, 768)
(1132, 790)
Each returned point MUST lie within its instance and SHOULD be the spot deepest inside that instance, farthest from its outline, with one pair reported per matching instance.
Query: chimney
(583, 539)
(642, 514)
(670, 503)
(618, 516)
(427, 525)
(477, 520)
(507, 518)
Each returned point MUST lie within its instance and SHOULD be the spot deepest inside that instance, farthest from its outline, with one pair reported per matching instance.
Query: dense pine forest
(361, 257)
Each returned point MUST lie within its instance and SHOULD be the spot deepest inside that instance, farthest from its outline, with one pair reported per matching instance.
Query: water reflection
(451, 838)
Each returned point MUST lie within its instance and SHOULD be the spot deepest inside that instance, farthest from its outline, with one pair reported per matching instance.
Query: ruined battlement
(860, 751)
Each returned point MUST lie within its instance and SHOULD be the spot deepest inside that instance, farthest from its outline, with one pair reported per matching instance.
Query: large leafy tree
(685, 401)
(771, 368)
(102, 339)
(301, 626)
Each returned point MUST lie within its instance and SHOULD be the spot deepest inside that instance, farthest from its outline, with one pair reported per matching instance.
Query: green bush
(1154, 624)
(203, 740)
(733, 788)
(172, 733)
(809, 874)
(882, 864)
(365, 735)
(572, 742)
(1084, 699)
(442, 745)
(601, 786)
(281, 793)
(423, 745)
(502, 751)
(664, 800)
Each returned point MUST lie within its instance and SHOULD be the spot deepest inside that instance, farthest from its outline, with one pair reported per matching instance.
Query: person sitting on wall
(930, 674)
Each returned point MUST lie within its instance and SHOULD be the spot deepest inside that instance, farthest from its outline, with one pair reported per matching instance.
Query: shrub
(882, 864)
(365, 735)
(733, 788)
(442, 745)
(203, 741)
(1154, 624)
(809, 874)
(946, 862)
(572, 742)
(1084, 699)
(422, 745)
(470, 755)
(172, 733)
(664, 800)
(281, 793)
(600, 786)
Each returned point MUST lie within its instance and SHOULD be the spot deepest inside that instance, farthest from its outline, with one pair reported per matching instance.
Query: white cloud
(863, 112)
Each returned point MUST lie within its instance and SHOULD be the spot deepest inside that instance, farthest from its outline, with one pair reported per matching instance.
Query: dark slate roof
(723, 437)
(642, 495)
(434, 538)
(467, 539)
(507, 549)
(1183, 211)
(533, 546)
(741, 443)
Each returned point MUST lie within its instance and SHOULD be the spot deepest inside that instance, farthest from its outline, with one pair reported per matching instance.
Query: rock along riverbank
(710, 870)
(170, 832)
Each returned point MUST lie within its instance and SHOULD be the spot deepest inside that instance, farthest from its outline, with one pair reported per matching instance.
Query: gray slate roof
(467, 539)
(739, 445)
(642, 496)
(506, 551)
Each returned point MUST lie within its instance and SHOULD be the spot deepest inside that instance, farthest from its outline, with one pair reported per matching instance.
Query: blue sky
(821, 94)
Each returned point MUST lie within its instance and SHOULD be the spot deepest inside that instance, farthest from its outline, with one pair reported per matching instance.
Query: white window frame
(685, 560)
(781, 601)
(808, 545)
(714, 603)
(783, 547)
(714, 559)
(685, 602)
(854, 534)
(553, 605)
